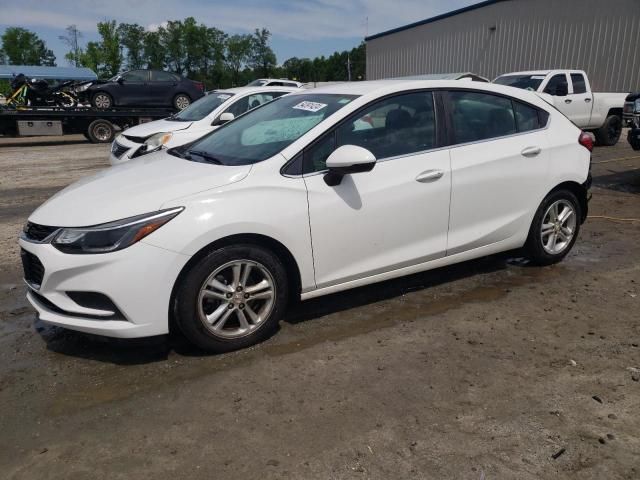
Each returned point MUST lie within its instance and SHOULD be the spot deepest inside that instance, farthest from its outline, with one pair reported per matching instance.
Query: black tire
(101, 131)
(187, 302)
(534, 247)
(609, 133)
(633, 137)
(181, 101)
(102, 100)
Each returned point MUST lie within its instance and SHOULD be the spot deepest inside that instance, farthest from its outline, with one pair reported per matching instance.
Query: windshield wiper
(208, 157)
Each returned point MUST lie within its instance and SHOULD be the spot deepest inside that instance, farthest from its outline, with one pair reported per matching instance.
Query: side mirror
(346, 160)
(224, 118)
(562, 90)
(120, 80)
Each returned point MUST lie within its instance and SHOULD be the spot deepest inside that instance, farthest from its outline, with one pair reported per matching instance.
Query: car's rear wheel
(102, 100)
(555, 228)
(232, 298)
(609, 133)
(181, 101)
(101, 131)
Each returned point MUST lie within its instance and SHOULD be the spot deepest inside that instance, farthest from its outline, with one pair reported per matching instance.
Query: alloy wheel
(182, 102)
(236, 299)
(558, 227)
(102, 101)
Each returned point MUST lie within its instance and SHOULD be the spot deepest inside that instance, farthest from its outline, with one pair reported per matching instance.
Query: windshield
(265, 131)
(201, 108)
(526, 82)
(257, 83)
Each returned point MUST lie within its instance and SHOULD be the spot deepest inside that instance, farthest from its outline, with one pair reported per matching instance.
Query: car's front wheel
(555, 228)
(232, 298)
(181, 101)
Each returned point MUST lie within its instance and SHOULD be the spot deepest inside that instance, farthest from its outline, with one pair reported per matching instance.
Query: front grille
(33, 268)
(118, 150)
(37, 233)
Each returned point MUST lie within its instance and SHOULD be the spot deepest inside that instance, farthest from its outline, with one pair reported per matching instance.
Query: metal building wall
(601, 37)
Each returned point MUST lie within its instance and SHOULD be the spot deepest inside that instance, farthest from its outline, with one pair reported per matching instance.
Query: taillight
(586, 141)
(199, 86)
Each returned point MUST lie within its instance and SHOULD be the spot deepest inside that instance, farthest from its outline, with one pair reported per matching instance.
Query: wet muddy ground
(489, 369)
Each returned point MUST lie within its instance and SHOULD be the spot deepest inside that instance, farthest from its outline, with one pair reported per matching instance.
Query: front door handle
(568, 100)
(587, 100)
(429, 176)
(531, 151)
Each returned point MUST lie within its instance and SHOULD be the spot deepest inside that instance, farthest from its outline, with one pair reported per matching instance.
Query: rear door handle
(568, 100)
(429, 176)
(587, 100)
(531, 151)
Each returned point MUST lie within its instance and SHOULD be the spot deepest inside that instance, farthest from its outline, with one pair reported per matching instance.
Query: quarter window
(479, 116)
(579, 85)
(527, 118)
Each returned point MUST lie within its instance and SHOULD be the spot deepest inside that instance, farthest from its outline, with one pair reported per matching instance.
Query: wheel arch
(282, 252)
(617, 111)
(581, 193)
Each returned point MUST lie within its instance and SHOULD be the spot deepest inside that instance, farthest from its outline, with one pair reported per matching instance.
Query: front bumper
(137, 280)
(122, 150)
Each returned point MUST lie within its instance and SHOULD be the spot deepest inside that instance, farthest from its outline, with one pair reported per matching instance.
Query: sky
(302, 28)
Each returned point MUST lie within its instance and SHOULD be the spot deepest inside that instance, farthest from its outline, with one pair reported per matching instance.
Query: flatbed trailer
(98, 126)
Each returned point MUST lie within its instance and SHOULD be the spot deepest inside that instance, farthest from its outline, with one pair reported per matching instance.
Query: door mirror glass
(224, 118)
(346, 160)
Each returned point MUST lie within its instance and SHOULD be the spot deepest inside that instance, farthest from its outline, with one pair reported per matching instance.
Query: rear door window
(157, 76)
(579, 84)
(479, 116)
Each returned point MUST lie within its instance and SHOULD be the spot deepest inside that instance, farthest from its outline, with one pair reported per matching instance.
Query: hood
(139, 186)
(150, 128)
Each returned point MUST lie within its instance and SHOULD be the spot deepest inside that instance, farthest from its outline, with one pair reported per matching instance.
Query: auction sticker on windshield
(310, 106)
(224, 97)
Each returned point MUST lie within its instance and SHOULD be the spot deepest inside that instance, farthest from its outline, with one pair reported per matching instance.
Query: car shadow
(43, 143)
(627, 181)
(158, 349)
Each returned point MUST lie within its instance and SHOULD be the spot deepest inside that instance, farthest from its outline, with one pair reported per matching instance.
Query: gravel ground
(489, 369)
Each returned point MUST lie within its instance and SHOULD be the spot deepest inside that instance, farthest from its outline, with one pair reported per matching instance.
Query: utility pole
(349, 66)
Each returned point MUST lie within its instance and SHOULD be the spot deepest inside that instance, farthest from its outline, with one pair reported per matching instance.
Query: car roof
(378, 88)
(541, 72)
(245, 90)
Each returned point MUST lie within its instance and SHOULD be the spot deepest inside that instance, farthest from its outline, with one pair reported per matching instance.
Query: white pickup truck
(570, 91)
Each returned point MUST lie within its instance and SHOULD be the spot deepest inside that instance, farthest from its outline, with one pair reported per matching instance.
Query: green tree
(132, 38)
(171, 38)
(23, 47)
(239, 49)
(71, 39)
(110, 47)
(263, 60)
(92, 57)
(154, 52)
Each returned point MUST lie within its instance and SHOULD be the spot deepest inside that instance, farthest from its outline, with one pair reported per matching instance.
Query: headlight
(83, 88)
(112, 236)
(636, 106)
(158, 140)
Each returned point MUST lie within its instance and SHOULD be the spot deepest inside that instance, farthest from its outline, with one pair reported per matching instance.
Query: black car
(141, 88)
(631, 117)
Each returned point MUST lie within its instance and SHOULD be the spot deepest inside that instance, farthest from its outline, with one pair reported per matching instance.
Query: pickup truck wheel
(634, 138)
(101, 131)
(609, 133)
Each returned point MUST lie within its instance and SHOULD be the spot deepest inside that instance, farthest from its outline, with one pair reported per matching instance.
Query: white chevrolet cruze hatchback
(313, 193)
(201, 117)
